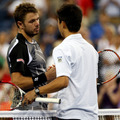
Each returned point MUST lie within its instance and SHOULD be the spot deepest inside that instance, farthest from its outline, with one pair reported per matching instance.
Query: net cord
(28, 113)
(105, 112)
(51, 113)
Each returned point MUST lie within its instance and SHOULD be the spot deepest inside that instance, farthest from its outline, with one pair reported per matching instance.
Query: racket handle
(48, 100)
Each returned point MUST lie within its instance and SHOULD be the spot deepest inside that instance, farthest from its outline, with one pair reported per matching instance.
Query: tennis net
(104, 114)
(109, 114)
(28, 115)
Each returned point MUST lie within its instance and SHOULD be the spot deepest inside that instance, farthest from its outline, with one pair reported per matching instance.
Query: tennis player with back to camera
(76, 64)
(26, 61)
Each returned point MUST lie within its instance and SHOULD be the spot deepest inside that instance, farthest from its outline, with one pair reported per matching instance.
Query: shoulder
(60, 47)
(16, 46)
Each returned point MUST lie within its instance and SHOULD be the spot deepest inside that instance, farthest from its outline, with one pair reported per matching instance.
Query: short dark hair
(71, 14)
(22, 10)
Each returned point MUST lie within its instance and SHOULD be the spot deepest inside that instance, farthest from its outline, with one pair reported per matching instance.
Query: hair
(71, 14)
(22, 10)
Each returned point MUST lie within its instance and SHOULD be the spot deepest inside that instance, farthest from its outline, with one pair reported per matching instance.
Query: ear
(63, 24)
(20, 24)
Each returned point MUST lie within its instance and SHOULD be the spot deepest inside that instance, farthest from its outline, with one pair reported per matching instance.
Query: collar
(21, 38)
(77, 35)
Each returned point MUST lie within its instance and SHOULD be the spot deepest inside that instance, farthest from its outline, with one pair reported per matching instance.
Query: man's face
(31, 24)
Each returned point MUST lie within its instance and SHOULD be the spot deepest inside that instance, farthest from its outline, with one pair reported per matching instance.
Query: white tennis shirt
(78, 60)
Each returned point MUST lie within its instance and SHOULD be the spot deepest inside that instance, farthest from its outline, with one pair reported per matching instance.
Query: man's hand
(51, 73)
(29, 97)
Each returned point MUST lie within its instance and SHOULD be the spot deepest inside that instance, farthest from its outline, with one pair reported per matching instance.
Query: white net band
(111, 112)
(28, 114)
(104, 114)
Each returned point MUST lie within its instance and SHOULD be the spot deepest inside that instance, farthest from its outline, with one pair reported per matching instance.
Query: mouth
(37, 29)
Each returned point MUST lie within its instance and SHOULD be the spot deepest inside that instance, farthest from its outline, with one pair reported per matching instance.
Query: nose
(37, 23)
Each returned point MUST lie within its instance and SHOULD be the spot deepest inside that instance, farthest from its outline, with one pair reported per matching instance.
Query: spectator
(4, 71)
(41, 5)
(5, 19)
(49, 35)
(109, 95)
(86, 6)
(106, 40)
(97, 28)
(111, 7)
(3, 44)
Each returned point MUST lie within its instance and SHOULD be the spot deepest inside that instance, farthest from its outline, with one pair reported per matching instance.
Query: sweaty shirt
(25, 57)
(78, 60)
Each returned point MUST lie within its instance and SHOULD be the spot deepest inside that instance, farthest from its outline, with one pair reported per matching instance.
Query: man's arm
(27, 82)
(54, 86)
(22, 81)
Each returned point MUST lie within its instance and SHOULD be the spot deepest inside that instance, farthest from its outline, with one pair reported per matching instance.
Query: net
(104, 114)
(109, 114)
(28, 115)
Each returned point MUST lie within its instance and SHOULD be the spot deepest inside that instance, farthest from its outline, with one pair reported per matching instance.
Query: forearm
(100, 99)
(114, 97)
(54, 86)
(27, 82)
(22, 81)
(30, 82)
(101, 94)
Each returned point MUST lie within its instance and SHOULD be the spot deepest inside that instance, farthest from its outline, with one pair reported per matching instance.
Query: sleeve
(18, 59)
(62, 63)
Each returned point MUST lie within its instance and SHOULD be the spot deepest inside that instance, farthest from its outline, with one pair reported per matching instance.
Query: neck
(28, 38)
(67, 33)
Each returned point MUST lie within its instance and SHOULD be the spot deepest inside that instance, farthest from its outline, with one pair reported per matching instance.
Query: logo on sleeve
(59, 59)
(20, 60)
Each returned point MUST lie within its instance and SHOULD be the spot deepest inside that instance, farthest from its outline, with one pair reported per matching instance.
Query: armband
(39, 80)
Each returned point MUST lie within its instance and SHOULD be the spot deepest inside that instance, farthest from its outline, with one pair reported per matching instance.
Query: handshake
(43, 78)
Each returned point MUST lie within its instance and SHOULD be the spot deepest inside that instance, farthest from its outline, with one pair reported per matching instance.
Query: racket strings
(108, 65)
(16, 97)
(109, 58)
(10, 96)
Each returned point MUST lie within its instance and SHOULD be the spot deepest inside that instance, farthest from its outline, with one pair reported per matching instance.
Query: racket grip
(48, 100)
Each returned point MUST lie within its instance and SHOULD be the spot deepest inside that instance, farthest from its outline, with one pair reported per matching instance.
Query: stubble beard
(30, 34)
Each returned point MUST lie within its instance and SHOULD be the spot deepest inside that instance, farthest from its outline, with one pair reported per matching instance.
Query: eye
(31, 21)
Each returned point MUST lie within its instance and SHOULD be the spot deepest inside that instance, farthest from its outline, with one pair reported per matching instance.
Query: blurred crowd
(100, 27)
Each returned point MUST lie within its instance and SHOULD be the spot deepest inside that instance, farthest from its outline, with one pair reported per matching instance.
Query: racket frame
(38, 99)
(118, 70)
(20, 90)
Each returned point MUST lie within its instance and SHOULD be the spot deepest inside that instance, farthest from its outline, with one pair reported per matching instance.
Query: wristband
(39, 80)
(37, 91)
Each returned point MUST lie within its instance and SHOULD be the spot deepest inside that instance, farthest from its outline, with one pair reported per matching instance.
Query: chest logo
(59, 59)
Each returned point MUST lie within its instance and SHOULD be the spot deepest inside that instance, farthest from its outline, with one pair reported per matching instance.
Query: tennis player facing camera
(76, 64)
(26, 61)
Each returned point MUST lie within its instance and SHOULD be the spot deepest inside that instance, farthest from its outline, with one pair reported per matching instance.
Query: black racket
(108, 66)
(11, 96)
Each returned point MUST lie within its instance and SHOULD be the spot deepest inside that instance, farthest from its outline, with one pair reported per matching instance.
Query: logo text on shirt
(59, 59)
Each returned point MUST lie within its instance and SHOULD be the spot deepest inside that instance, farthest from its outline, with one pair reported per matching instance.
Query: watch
(37, 91)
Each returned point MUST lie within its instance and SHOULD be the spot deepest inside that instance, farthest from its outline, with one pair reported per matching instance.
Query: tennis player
(26, 61)
(77, 69)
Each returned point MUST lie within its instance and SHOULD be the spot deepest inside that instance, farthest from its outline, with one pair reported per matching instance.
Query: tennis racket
(11, 96)
(108, 66)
